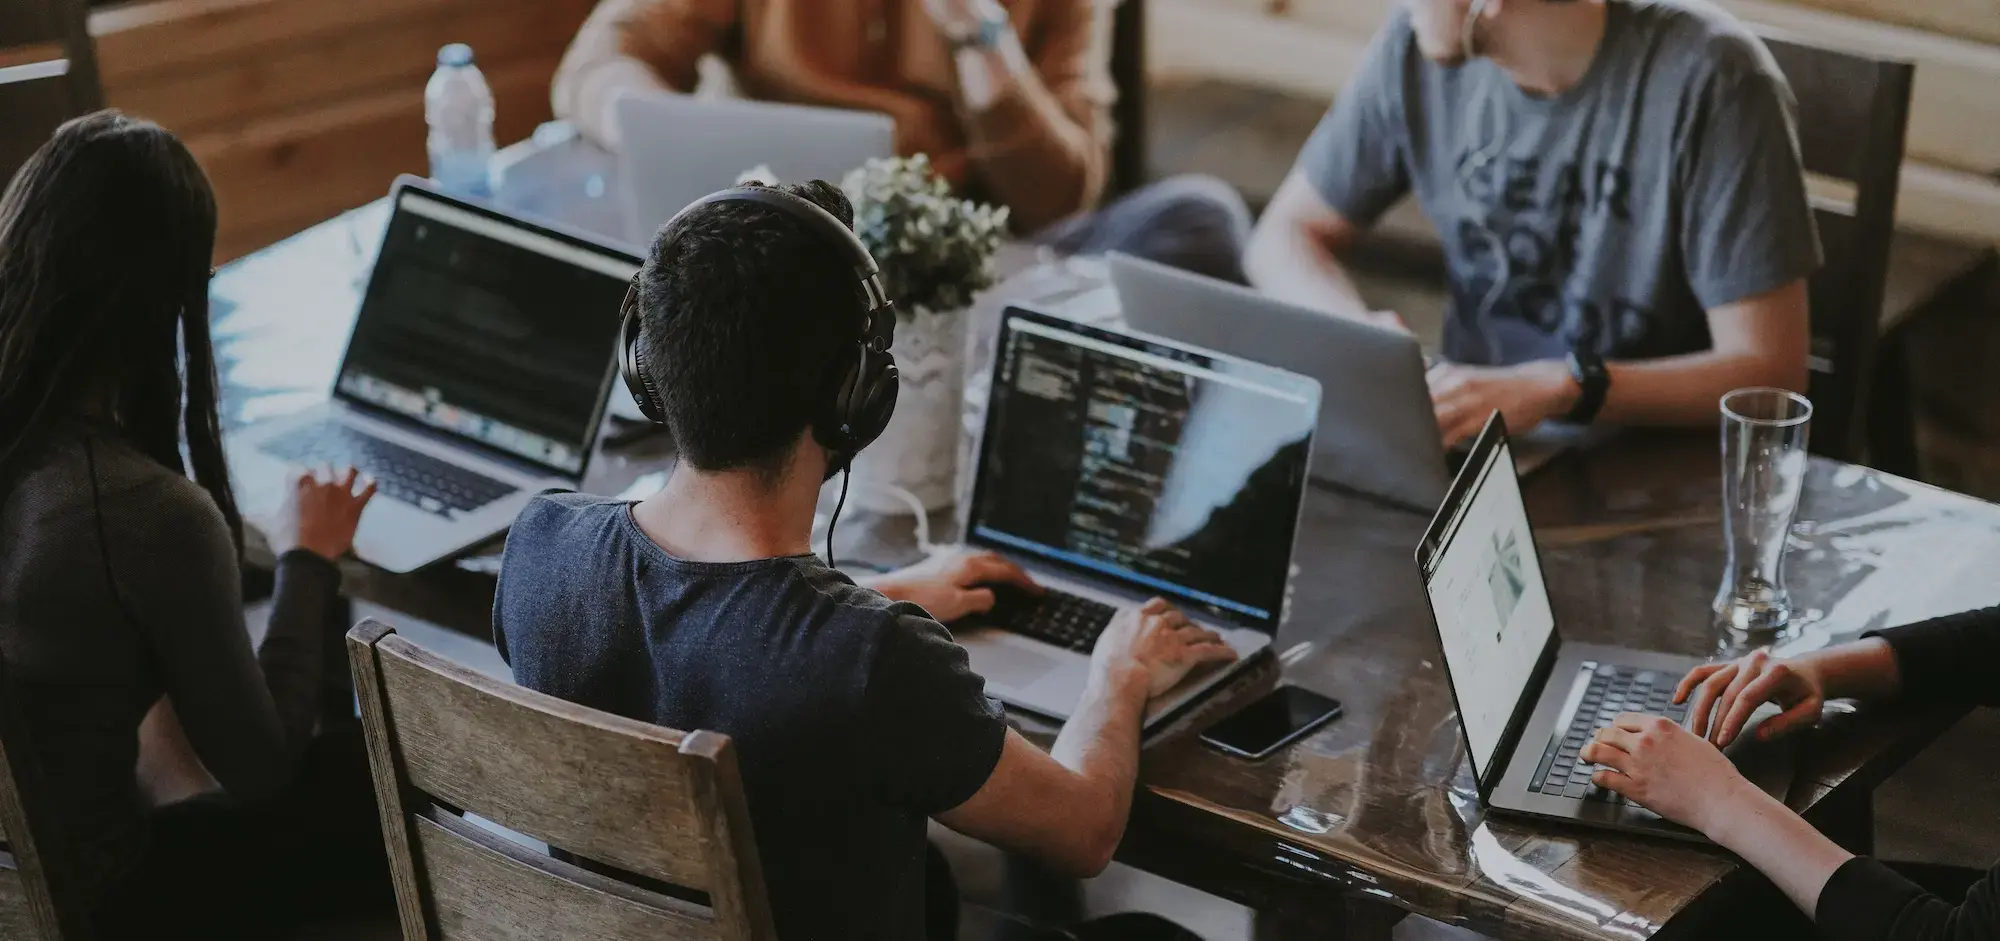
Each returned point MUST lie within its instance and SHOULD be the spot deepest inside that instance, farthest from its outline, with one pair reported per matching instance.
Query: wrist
(1730, 813)
(1126, 683)
(1560, 391)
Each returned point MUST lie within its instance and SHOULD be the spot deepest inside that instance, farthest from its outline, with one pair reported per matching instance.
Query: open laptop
(475, 377)
(675, 149)
(1377, 432)
(1528, 701)
(1117, 468)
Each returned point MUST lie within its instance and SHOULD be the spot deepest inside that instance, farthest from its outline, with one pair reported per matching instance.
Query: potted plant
(936, 252)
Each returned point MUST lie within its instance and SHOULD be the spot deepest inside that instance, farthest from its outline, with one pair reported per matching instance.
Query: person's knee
(1199, 199)
(1193, 221)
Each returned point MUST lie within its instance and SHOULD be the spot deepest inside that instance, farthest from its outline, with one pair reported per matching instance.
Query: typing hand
(1732, 691)
(1526, 394)
(1667, 769)
(1155, 642)
(322, 510)
(953, 585)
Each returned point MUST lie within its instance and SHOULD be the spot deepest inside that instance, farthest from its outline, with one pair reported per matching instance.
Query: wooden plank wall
(1951, 183)
(300, 109)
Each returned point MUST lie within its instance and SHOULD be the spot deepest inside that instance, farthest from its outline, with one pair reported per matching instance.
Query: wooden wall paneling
(310, 71)
(281, 175)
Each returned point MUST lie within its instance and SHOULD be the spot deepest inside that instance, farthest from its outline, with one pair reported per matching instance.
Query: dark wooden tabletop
(1380, 804)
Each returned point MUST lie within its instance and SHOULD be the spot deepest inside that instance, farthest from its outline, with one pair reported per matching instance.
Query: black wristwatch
(1587, 369)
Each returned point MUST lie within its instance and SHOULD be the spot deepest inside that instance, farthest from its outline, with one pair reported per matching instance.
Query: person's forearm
(1100, 743)
(1865, 669)
(1032, 154)
(1780, 844)
(1291, 263)
(1678, 390)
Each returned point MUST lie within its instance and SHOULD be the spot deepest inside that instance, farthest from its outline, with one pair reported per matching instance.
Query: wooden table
(1377, 807)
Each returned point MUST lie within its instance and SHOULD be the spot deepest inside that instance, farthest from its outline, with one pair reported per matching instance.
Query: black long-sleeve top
(119, 583)
(1950, 659)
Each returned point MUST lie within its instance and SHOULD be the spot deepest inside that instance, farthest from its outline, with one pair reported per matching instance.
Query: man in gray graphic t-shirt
(1618, 190)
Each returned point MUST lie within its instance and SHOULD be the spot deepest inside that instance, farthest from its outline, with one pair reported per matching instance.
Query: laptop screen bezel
(1143, 343)
(1491, 447)
(422, 189)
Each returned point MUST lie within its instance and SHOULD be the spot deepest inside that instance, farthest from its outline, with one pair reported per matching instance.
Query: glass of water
(1763, 470)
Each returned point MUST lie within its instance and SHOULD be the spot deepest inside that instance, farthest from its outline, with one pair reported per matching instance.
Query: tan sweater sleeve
(1043, 147)
(625, 45)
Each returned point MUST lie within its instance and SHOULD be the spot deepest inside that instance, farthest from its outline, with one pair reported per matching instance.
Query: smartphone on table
(1283, 716)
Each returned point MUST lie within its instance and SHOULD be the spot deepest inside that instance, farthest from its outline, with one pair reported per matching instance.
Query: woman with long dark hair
(120, 587)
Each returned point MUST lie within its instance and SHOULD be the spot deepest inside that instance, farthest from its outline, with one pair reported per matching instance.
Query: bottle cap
(455, 55)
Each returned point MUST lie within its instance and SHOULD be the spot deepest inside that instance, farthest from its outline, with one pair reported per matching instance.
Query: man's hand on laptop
(1155, 643)
(952, 585)
(1464, 396)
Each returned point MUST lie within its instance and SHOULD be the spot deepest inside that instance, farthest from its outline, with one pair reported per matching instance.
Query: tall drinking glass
(1763, 470)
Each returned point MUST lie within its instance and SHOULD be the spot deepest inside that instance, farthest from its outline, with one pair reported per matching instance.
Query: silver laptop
(1115, 469)
(476, 376)
(675, 149)
(1377, 429)
(1528, 701)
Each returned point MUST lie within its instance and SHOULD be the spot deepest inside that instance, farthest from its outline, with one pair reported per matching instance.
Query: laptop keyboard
(401, 473)
(1055, 617)
(1612, 690)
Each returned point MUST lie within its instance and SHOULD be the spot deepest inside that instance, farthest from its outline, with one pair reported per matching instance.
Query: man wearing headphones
(759, 334)
(1618, 191)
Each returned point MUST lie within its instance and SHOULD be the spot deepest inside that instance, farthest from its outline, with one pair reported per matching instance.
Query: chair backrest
(38, 898)
(655, 819)
(1128, 111)
(48, 74)
(1852, 111)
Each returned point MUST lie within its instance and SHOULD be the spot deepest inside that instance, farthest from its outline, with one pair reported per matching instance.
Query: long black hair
(106, 234)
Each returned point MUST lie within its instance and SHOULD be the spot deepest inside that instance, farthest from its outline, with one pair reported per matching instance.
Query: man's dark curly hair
(746, 312)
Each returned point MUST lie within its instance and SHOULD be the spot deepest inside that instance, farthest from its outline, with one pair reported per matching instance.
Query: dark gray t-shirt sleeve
(1748, 227)
(929, 736)
(1355, 156)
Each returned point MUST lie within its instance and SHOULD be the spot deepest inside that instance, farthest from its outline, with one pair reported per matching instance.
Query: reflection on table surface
(1380, 802)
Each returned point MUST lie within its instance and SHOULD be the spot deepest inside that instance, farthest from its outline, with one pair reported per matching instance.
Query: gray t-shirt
(1609, 218)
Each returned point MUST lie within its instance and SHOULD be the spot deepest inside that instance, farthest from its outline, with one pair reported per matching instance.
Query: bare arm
(1758, 341)
(1292, 253)
(634, 45)
(1068, 807)
(1037, 108)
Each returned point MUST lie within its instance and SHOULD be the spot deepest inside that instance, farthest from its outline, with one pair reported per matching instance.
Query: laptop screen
(1486, 591)
(1171, 471)
(489, 329)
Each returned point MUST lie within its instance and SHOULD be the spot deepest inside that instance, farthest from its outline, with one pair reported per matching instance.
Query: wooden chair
(663, 809)
(48, 74)
(1852, 111)
(37, 900)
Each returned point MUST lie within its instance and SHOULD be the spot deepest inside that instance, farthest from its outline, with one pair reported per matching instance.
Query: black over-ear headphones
(864, 395)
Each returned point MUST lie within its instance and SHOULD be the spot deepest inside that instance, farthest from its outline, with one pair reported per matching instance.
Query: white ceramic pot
(918, 453)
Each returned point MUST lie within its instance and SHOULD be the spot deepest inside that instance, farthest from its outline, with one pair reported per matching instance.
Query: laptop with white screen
(1116, 468)
(1527, 700)
(475, 377)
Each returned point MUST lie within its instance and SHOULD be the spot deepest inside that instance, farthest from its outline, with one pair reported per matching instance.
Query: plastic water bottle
(458, 106)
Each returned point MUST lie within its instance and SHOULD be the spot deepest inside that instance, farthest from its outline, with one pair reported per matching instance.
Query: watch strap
(1593, 381)
(986, 34)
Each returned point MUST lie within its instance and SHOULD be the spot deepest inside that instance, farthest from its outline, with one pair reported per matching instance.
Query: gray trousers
(1196, 223)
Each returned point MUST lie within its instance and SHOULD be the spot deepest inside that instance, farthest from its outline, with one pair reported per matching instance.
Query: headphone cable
(846, 476)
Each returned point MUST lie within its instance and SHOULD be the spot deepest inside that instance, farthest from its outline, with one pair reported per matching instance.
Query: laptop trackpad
(1015, 665)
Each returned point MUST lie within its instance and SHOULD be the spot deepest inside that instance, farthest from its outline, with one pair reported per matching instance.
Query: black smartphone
(1282, 717)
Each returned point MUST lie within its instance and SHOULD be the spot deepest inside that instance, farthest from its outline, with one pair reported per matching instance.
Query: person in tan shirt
(1009, 98)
